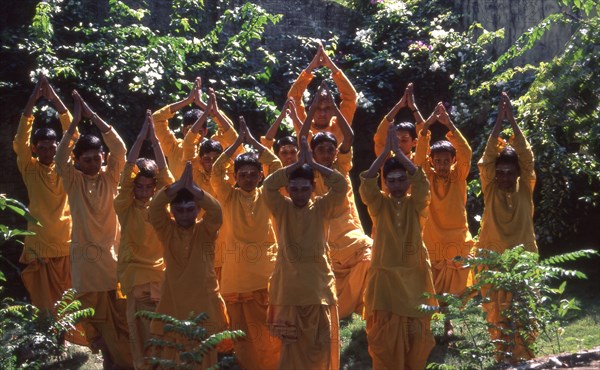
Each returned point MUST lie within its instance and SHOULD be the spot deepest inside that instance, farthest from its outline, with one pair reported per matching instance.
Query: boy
(190, 284)
(323, 119)
(140, 266)
(446, 233)
(46, 254)
(350, 248)
(398, 332)
(286, 147)
(302, 303)
(249, 251)
(91, 187)
(507, 181)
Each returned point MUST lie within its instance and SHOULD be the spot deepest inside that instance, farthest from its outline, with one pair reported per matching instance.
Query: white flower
(434, 66)
(439, 34)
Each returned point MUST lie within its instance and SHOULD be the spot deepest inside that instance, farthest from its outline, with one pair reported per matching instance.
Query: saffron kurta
(347, 106)
(46, 253)
(400, 273)
(446, 233)
(248, 261)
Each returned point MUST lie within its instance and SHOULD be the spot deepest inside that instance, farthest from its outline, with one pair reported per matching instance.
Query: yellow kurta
(47, 198)
(250, 246)
(171, 145)
(400, 269)
(349, 246)
(507, 216)
(347, 106)
(302, 275)
(95, 235)
(140, 253)
(446, 233)
(397, 331)
(190, 283)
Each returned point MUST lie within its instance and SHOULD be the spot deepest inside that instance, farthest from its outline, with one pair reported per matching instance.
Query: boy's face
(506, 176)
(185, 213)
(207, 160)
(323, 114)
(442, 163)
(90, 162)
(325, 153)
(405, 141)
(248, 177)
(288, 154)
(45, 151)
(300, 191)
(144, 188)
(397, 183)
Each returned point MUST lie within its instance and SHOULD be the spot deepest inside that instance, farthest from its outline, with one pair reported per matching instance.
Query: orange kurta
(347, 105)
(302, 284)
(171, 145)
(350, 248)
(400, 273)
(446, 233)
(47, 274)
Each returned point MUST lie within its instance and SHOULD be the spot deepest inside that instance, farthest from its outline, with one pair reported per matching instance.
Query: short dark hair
(209, 146)
(392, 164)
(147, 168)
(191, 116)
(246, 159)
(409, 127)
(183, 196)
(323, 137)
(286, 140)
(303, 172)
(43, 133)
(508, 155)
(85, 143)
(442, 146)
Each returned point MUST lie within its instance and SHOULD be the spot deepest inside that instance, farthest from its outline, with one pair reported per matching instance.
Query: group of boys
(281, 259)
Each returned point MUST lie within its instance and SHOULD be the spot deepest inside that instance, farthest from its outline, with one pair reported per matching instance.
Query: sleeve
(267, 142)
(370, 193)
(65, 121)
(124, 198)
(487, 163)
(526, 160)
(213, 216)
(218, 178)
(159, 217)
(419, 193)
(336, 182)
(380, 136)
(422, 151)
(227, 138)
(269, 160)
(64, 166)
(297, 92)
(343, 163)
(463, 152)
(347, 94)
(21, 143)
(164, 178)
(275, 181)
(167, 138)
(189, 145)
(116, 157)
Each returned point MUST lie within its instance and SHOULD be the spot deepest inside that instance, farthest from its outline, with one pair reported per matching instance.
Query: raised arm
(297, 90)
(380, 160)
(21, 143)
(380, 137)
(344, 125)
(270, 135)
(410, 103)
(520, 143)
(347, 92)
